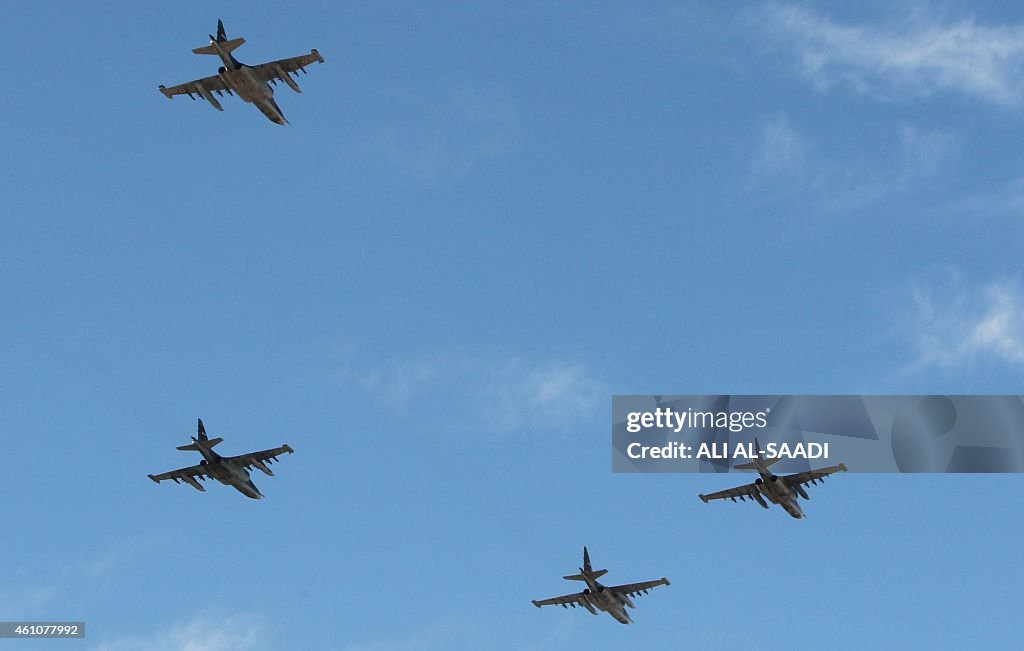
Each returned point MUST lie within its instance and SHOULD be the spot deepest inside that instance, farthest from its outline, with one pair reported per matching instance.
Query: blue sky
(481, 223)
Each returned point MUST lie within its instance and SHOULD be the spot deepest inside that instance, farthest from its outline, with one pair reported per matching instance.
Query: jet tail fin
(586, 570)
(761, 461)
(227, 46)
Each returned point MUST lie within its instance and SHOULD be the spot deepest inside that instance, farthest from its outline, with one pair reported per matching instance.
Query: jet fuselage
(605, 600)
(227, 472)
(243, 82)
(776, 491)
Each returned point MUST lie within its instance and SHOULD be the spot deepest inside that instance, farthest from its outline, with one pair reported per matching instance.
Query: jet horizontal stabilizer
(753, 466)
(209, 443)
(226, 46)
(579, 577)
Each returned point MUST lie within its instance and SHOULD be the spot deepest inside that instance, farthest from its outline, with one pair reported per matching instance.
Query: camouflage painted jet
(783, 491)
(251, 83)
(610, 599)
(230, 471)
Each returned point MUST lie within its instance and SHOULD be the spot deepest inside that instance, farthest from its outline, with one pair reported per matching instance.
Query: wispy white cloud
(785, 161)
(234, 633)
(479, 634)
(26, 602)
(781, 151)
(918, 57)
(1005, 200)
(36, 588)
(969, 325)
(504, 392)
(926, 153)
(449, 133)
(433, 637)
(552, 394)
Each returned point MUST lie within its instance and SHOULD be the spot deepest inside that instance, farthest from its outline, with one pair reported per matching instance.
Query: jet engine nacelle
(222, 73)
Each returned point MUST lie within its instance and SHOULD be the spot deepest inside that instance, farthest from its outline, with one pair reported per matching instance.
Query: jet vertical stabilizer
(201, 439)
(586, 571)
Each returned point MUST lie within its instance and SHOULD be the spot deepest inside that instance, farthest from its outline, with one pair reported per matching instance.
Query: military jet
(230, 471)
(610, 599)
(251, 83)
(783, 491)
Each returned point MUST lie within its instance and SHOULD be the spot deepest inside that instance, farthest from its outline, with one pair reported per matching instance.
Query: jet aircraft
(230, 471)
(610, 599)
(783, 491)
(251, 83)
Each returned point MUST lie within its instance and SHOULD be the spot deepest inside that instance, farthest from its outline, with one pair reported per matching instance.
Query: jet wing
(281, 68)
(744, 491)
(811, 475)
(187, 475)
(636, 589)
(196, 87)
(256, 459)
(563, 601)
